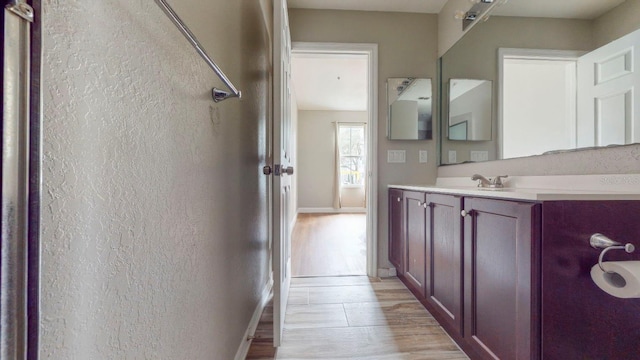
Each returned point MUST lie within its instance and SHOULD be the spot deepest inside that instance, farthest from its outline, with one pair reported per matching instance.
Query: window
(353, 159)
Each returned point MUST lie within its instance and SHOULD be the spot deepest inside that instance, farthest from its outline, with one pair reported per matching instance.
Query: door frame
(371, 51)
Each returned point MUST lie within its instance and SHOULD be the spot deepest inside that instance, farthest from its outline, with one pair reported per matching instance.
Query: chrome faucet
(489, 183)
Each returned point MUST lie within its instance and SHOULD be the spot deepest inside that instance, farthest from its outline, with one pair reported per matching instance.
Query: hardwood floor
(356, 317)
(329, 245)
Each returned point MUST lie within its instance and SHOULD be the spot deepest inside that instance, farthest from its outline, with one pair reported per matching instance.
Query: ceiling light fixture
(479, 11)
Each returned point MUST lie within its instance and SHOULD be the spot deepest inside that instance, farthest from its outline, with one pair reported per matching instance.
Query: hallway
(329, 245)
(356, 317)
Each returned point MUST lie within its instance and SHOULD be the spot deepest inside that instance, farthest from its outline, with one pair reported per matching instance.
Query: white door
(608, 93)
(282, 169)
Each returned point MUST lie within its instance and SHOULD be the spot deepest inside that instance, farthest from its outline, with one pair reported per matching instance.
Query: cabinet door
(444, 259)
(501, 306)
(415, 240)
(396, 234)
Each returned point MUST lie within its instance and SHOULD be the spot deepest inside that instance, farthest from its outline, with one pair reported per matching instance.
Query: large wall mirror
(470, 110)
(563, 75)
(409, 109)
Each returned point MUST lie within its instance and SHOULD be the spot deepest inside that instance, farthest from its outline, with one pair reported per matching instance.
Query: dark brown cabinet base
(579, 320)
(511, 280)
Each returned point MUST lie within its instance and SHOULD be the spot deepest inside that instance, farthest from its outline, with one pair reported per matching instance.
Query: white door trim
(371, 50)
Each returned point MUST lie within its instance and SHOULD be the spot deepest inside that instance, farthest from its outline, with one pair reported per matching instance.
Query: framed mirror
(410, 108)
(562, 75)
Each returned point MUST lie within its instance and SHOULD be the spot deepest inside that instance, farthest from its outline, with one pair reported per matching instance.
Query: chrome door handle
(267, 170)
(287, 170)
(464, 213)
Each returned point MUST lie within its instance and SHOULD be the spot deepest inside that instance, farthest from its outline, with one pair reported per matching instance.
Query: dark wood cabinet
(415, 240)
(501, 257)
(510, 279)
(396, 230)
(580, 320)
(444, 260)
(477, 274)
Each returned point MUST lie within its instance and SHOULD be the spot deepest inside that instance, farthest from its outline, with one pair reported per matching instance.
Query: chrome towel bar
(217, 94)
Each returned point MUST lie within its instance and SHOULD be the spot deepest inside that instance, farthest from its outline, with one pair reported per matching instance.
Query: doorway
(334, 104)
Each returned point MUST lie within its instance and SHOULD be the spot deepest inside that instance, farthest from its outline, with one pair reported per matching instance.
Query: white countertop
(542, 188)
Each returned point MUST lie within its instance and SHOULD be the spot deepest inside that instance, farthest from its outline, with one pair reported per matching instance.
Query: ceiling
(417, 6)
(323, 82)
(330, 82)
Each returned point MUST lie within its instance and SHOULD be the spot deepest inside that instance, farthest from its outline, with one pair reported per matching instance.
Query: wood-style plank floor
(356, 317)
(329, 245)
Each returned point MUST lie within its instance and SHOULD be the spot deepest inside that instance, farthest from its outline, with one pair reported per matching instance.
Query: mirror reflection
(563, 75)
(409, 109)
(469, 109)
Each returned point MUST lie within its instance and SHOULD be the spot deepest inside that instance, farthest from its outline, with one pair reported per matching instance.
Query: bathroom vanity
(507, 273)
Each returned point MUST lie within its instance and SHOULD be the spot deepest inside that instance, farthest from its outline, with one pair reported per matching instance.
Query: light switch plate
(424, 156)
(396, 156)
(453, 155)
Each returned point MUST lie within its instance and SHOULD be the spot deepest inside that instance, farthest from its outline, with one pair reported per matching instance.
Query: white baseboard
(245, 343)
(387, 272)
(331, 210)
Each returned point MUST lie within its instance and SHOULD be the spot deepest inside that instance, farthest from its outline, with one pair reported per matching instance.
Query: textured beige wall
(353, 197)
(407, 46)
(316, 154)
(620, 21)
(154, 209)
